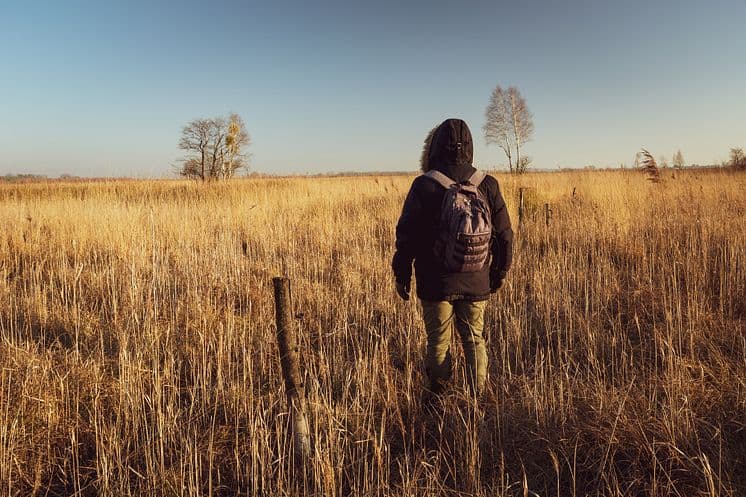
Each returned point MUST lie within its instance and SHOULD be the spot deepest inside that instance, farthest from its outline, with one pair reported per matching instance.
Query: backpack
(464, 230)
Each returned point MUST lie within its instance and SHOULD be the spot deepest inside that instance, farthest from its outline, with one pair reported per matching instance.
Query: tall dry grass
(138, 354)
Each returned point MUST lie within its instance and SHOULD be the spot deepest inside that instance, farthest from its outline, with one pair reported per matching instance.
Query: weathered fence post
(547, 214)
(286, 341)
(520, 206)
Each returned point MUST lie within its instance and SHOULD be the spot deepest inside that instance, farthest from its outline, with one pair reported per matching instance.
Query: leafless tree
(214, 147)
(217, 146)
(509, 124)
(522, 164)
(737, 158)
(195, 138)
(678, 160)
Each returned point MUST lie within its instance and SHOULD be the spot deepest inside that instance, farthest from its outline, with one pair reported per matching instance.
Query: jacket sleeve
(407, 235)
(502, 236)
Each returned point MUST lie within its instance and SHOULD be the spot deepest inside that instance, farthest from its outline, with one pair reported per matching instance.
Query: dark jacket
(448, 149)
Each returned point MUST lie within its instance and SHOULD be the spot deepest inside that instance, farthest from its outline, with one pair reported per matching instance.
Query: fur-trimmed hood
(447, 147)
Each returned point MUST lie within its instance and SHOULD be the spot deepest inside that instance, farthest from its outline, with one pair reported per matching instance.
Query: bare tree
(522, 164)
(195, 138)
(218, 133)
(214, 147)
(737, 158)
(678, 160)
(509, 124)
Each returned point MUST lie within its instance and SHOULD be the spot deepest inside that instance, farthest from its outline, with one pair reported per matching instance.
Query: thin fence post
(520, 206)
(290, 364)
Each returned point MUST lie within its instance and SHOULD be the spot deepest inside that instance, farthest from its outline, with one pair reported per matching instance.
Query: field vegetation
(138, 352)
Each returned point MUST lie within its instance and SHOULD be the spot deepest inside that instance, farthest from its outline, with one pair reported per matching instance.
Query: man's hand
(496, 281)
(403, 290)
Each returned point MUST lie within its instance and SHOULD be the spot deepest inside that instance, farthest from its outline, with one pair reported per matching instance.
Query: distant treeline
(22, 178)
(36, 178)
(32, 178)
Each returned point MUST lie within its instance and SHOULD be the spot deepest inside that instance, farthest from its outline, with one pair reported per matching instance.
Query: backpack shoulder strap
(477, 178)
(440, 178)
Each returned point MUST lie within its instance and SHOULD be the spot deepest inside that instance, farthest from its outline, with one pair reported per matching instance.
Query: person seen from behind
(455, 228)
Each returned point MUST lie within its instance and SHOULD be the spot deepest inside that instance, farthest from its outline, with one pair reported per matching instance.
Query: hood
(448, 147)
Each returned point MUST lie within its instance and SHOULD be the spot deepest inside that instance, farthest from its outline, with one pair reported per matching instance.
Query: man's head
(449, 144)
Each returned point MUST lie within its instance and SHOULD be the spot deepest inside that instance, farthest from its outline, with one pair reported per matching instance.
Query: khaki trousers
(468, 318)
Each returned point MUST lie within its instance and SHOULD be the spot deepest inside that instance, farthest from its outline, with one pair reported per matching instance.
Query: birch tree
(509, 124)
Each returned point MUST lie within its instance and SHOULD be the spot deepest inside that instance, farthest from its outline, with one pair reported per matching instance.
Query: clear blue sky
(103, 88)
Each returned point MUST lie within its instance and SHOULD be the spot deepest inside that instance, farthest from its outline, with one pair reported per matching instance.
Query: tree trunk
(506, 149)
(202, 164)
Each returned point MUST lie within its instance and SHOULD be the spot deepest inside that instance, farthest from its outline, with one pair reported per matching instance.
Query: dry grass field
(138, 351)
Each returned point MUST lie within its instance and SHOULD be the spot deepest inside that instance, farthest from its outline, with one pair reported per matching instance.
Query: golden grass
(138, 353)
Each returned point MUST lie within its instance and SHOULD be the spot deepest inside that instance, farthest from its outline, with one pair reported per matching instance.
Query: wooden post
(520, 206)
(547, 214)
(288, 347)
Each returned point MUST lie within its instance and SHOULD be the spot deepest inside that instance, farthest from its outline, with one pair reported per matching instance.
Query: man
(452, 289)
